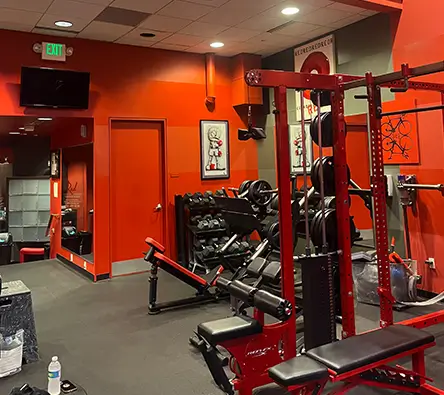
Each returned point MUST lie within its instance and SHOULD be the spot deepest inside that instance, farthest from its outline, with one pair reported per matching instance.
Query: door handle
(158, 207)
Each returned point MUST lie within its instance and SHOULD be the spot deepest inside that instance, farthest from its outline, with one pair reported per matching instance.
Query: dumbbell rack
(188, 233)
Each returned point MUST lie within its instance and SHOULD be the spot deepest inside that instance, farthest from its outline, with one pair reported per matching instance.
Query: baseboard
(78, 269)
(104, 276)
(426, 294)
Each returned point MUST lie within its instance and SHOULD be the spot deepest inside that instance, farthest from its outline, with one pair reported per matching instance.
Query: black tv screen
(43, 87)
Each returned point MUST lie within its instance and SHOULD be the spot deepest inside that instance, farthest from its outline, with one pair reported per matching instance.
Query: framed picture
(296, 158)
(55, 164)
(214, 150)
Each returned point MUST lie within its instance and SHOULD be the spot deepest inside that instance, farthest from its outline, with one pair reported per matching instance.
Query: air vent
(280, 27)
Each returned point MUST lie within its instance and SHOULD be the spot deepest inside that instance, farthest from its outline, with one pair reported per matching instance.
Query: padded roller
(222, 283)
(273, 305)
(272, 273)
(242, 291)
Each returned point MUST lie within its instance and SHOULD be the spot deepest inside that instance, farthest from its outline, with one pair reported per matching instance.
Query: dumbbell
(234, 248)
(207, 197)
(195, 220)
(244, 246)
(200, 244)
(221, 220)
(195, 200)
(219, 193)
(201, 198)
(208, 252)
(203, 225)
(187, 197)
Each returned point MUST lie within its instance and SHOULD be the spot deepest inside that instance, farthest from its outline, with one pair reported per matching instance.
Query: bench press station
(364, 359)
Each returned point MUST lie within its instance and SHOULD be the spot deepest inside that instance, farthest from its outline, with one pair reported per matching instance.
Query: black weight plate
(315, 182)
(274, 205)
(244, 186)
(274, 239)
(325, 98)
(326, 127)
(329, 176)
(254, 195)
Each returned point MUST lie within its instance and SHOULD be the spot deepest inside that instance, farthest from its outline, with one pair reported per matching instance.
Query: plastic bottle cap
(55, 359)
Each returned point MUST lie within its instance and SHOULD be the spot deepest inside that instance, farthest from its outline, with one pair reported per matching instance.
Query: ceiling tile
(297, 28)
(104, 31)
(183, 39)
(134, 41)
(321, 3)
(54, 32)
(75, 9)
(237, 34)
(255, 6)
(227, 17)
(272, 39)
(185, 10)
(18, 16)
(150, 6)
(48, 21)
(324, 16)
(27, 5)
(320, 31)
(369, 12)
(100, 2)
(121, 16)
(211, 3)
(170, 47)
(346, 7)
(203, 29)
(16, 26)
(164, 23)
(348, 21)
(261, 23)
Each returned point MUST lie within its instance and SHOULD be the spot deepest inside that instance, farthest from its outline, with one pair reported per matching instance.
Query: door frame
(164, 170)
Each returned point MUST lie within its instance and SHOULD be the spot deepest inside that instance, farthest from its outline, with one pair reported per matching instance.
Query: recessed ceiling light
(149, 35)
(22, 128)
(63, 23)
(44, 119)
(14, 132)
(217, 44)
(290, 10)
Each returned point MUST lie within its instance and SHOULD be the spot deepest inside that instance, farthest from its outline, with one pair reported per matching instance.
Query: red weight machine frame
(280, 81)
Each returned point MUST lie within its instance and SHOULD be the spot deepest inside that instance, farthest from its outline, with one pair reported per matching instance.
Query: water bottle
(54, 376)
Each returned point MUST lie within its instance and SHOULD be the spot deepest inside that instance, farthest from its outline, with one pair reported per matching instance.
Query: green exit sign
(53, 51)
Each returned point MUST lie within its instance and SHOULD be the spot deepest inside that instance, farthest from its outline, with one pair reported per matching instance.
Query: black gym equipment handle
(149, 254)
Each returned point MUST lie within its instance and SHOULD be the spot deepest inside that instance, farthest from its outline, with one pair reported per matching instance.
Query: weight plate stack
(255, 195)
(326, 127)
(329, 175)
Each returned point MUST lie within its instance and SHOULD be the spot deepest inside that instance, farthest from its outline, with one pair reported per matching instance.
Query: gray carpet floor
(108, 344)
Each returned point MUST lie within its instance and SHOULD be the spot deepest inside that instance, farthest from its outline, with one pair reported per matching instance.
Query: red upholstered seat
(159, 247)
(30, 251)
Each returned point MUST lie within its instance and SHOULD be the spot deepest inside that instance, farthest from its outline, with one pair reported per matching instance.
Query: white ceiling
(189, 25)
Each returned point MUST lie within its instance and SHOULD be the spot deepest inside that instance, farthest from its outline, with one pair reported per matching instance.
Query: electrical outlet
(431, 263)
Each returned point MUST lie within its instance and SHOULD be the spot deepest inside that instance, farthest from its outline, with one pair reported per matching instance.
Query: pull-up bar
(411, 110)
(406, 72)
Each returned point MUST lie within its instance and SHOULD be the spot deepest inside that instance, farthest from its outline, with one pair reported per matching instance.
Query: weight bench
(359, 360)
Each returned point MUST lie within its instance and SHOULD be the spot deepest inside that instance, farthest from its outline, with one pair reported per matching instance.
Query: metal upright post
(379, 202)
(342, 213)
(285, 216)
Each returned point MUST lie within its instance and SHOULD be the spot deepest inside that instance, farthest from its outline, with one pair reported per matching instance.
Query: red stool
(30, 251)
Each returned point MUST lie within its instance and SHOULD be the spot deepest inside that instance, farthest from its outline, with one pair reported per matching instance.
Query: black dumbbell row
(206, 248)
(208, 222)
(199, 199)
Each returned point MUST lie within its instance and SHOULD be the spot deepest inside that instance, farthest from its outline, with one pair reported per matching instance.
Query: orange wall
(419, 39)
(129, 81)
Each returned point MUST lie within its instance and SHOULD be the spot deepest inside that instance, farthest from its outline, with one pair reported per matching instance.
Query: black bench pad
(358, 351)
(298, 370)
(228, 329)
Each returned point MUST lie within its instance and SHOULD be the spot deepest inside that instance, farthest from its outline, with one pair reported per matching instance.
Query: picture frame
(55, 164)
(295, 132)
(214, 150)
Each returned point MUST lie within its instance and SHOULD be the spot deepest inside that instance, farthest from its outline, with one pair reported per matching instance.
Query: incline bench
(360, 360)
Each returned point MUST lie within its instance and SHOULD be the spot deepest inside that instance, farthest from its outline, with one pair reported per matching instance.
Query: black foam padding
(256, 267)
(229, 328)
(241, 291)
(298, 370)
(222, 283)
(273, 305)
(361, 350)
(272, 273)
